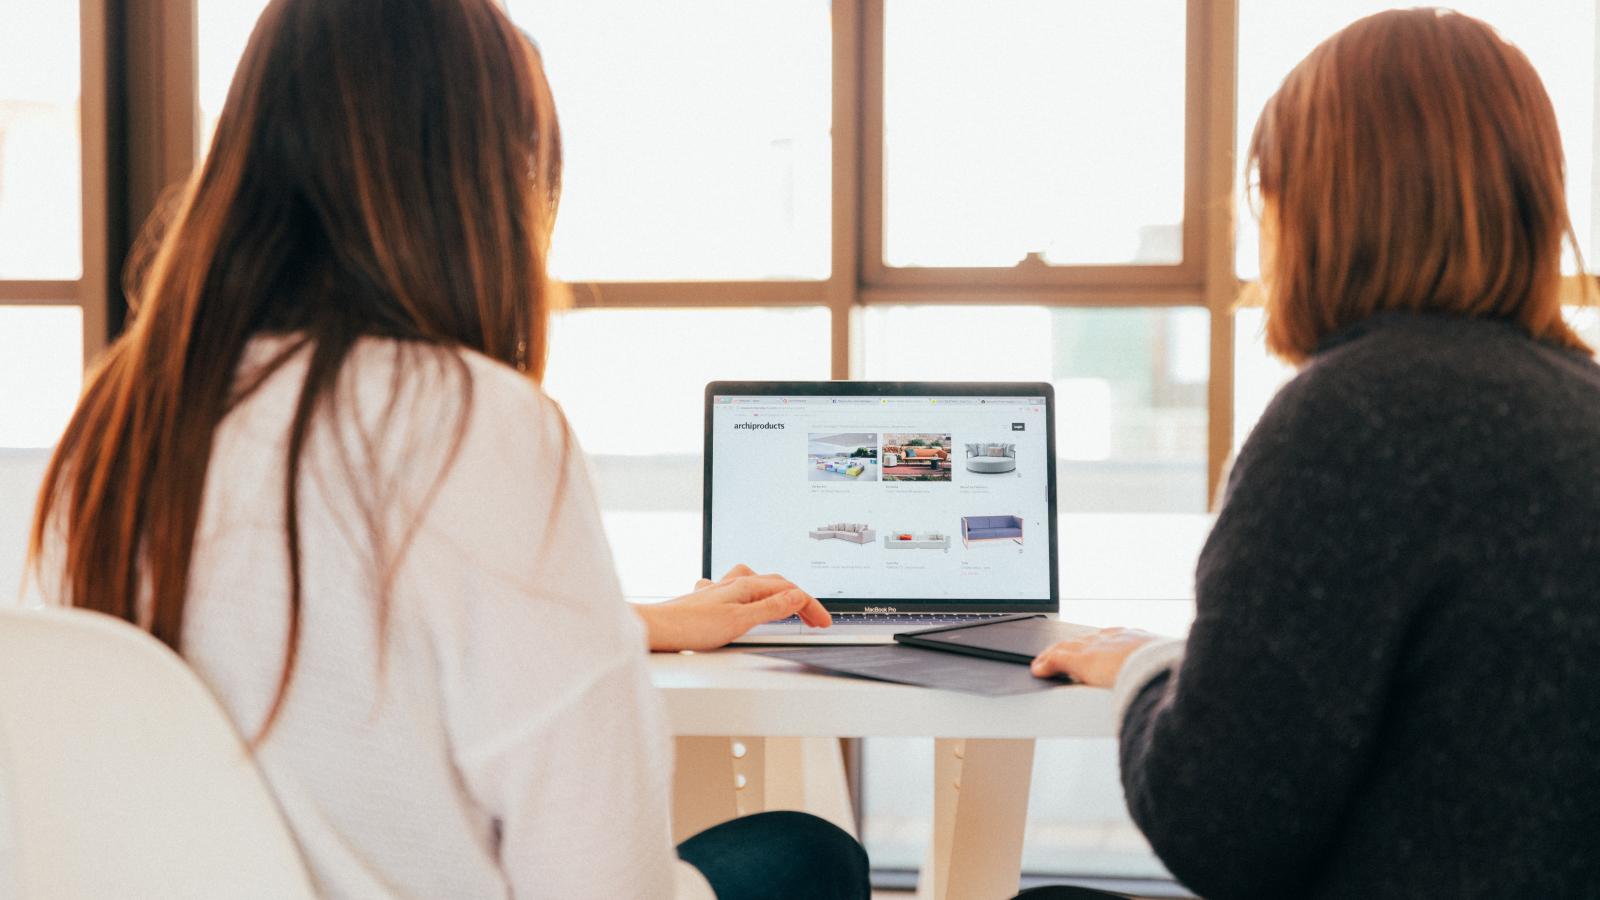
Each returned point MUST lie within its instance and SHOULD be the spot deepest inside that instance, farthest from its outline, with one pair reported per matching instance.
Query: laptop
(899, 505)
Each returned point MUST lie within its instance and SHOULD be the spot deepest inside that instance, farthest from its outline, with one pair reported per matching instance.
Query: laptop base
(853, 628)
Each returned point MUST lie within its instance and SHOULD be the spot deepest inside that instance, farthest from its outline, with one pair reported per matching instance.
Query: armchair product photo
(991, 459)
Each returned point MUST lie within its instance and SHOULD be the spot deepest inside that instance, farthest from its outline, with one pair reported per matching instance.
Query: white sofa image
(991, 459)
(906, 540)
(853, 532)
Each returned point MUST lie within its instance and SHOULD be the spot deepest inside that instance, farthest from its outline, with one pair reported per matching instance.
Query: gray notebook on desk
(1013, 639)
(902, 664)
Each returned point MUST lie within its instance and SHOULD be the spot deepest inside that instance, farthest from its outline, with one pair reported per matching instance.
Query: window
(41, 366)
(1130, 388)
(43, 328)
(709, 157)
(40, 178)
(1033, 127)
(1257, 375)
(41, 370)
(632, 384)
(222, 30)
(705, 156)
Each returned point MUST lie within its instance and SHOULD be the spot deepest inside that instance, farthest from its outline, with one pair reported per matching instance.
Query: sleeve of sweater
(1238, 762)
(556, 731)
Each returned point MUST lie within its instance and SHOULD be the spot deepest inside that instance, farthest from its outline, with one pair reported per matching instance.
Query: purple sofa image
(990, 528)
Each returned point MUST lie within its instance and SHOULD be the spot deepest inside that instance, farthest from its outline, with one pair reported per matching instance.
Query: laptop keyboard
(929, 619)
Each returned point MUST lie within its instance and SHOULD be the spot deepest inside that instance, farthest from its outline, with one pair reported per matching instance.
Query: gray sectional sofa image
(990, 528)
(991, 459)
(853, 532)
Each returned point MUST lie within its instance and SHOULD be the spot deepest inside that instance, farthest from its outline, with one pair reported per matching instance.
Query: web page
(885, 498)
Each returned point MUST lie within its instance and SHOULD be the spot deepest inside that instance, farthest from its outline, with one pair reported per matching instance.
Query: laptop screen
(878, 497)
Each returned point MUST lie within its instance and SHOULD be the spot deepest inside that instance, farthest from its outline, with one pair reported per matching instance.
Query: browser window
(892, 498)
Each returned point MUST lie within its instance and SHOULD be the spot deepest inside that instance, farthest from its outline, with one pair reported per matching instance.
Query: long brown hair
(382, 168)
(1411, 162)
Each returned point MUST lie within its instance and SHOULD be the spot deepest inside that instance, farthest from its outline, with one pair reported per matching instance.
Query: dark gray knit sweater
(1392, 687)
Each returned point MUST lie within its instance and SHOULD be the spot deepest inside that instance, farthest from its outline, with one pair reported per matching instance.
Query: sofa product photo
(990, 528)
(844, 531)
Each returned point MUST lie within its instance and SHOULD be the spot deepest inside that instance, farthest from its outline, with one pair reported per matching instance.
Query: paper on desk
(917, 666)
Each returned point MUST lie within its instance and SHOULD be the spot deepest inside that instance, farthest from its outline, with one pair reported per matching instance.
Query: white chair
(121, 777)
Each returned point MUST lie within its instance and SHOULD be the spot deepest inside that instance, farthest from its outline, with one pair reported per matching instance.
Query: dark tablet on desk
(1015, 639)
(919, 666)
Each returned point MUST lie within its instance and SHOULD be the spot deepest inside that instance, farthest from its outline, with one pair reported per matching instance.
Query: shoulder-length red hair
(1411, 162)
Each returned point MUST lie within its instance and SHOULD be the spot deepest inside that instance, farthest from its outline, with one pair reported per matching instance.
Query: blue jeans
(779, 856)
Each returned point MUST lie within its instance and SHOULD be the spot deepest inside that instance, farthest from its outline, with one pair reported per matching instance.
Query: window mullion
(1214, 61)
(849, 189)
(98, 280)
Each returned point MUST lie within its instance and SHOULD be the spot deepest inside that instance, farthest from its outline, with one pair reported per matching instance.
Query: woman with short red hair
(1390, 686)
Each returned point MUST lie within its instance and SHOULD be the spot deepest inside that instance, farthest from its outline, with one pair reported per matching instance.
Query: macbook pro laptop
(899, 505)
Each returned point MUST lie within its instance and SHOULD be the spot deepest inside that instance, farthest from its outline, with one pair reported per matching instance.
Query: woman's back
(1487, 755)
(503, 721)
(1392, 666)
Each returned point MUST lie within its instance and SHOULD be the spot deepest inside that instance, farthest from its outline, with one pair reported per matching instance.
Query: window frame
(860, 278)
(88, 291)
(137, 124)
(1173, 280)
(139, 87)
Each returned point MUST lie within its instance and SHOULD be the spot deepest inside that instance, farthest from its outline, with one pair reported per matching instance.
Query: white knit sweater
(506, 740)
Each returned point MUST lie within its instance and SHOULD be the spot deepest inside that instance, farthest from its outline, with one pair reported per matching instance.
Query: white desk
(756, 733)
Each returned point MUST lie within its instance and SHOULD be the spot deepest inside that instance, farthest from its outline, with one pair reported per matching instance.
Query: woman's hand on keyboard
(719, 611)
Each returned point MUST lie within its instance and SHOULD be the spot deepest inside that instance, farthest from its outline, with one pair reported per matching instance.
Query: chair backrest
(120, 776)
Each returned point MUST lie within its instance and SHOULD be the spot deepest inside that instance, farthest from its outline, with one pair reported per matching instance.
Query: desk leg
(980, 809)
(806, 774)
(703, 786)
(721, 778)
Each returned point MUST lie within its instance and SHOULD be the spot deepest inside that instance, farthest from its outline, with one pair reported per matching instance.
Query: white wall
(20, 474)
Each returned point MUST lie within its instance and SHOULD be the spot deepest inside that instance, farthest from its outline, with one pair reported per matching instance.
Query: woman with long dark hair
(1390, 686)
(319, 466)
